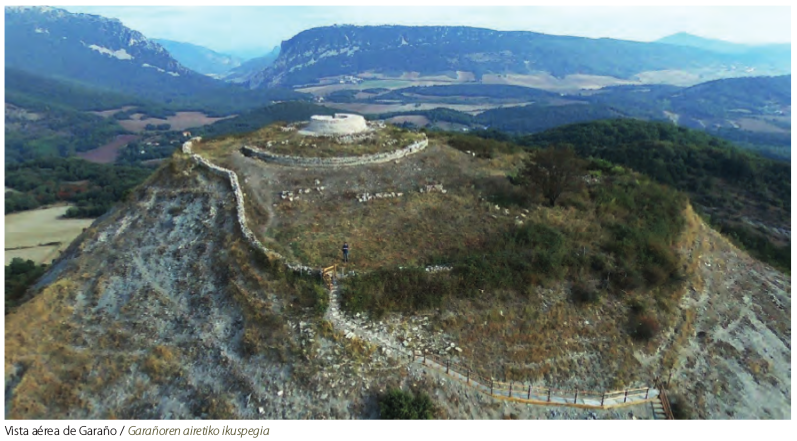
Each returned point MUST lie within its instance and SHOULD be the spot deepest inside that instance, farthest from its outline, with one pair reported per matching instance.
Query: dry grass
(163, 364)
(537, 334)
(52, 379)
(29, 230)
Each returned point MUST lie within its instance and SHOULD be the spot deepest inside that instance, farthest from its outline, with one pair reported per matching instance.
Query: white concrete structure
(340, 124)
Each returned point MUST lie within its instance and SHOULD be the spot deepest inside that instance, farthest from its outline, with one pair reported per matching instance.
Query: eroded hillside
(162, 310)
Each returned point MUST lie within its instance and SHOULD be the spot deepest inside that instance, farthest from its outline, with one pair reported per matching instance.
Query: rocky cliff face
(434, 50)
(37, 29)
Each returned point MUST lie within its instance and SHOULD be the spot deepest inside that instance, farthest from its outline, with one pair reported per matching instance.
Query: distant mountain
(690, 40)
(243, 72)
(101, 52)
(466, 52)
(200, 59)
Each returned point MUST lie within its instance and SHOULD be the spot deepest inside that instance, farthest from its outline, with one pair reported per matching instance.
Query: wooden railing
(665, 403)
(328, 274)
(522, 392)
(519, 391)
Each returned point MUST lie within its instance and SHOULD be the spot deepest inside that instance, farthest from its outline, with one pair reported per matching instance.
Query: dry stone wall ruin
(298, 161)
(239, 206)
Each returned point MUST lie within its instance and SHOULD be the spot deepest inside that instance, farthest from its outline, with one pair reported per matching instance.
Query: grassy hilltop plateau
(540, 226)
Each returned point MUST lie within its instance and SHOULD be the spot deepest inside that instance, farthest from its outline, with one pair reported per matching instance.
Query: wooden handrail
(665, 403)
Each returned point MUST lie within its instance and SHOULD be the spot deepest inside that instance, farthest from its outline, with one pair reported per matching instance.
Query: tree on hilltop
(553, 171)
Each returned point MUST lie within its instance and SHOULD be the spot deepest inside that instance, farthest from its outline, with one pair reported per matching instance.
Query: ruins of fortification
(339, 124)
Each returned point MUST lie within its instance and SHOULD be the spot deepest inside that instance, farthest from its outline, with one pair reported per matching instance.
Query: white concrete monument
(339, 124)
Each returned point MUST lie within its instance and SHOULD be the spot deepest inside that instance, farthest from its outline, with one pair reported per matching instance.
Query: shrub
(644, 327)
(584, 292)
(655, 274)
(399, 405)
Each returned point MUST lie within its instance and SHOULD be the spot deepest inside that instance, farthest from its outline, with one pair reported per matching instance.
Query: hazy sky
(259, 28)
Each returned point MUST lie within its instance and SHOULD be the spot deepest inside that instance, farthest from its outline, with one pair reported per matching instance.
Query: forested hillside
(93, 188)
(744, 194)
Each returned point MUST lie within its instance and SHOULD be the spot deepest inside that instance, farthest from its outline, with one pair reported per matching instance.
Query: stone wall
(299, 161)
(239, 207)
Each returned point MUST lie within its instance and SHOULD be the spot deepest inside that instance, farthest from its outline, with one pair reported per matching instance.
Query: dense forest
(93, 188)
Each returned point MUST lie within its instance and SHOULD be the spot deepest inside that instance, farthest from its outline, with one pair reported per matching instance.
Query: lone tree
(553, 171)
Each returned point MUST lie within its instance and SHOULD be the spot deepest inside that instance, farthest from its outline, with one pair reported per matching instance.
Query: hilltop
(204, 311)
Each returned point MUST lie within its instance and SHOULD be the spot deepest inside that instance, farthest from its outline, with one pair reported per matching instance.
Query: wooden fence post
(626, 396)
(447, 363)
(491, 387)
(510, 390)
(468, 380)
(529, 391)
(669, 379)
(603, 397)
(549, 394)
(576, 397)
(646, 393)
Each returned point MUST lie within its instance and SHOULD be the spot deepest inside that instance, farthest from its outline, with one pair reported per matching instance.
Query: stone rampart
(345, 161)
(230, 176)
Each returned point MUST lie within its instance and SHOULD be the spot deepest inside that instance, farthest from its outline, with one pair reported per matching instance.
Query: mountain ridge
(393, 51)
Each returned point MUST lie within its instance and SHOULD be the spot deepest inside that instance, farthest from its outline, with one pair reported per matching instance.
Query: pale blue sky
(258, 28)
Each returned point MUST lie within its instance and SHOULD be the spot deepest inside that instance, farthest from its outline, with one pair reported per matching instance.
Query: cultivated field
(326, 89)
(107, 153)
(40, 234)
(179, 121)
(368, 108)
(545, 81)
(759, 125)
(112, 112)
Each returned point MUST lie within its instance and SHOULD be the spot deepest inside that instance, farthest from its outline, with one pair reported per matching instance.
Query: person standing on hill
(345, 251)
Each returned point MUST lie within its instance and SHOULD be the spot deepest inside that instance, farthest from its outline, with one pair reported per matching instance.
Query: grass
(542, 300)
(630, 250)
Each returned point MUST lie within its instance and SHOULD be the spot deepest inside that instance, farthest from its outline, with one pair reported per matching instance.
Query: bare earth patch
(108, 153)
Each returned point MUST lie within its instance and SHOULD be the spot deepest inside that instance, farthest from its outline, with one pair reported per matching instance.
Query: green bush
(399, 405)
(20, 275)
